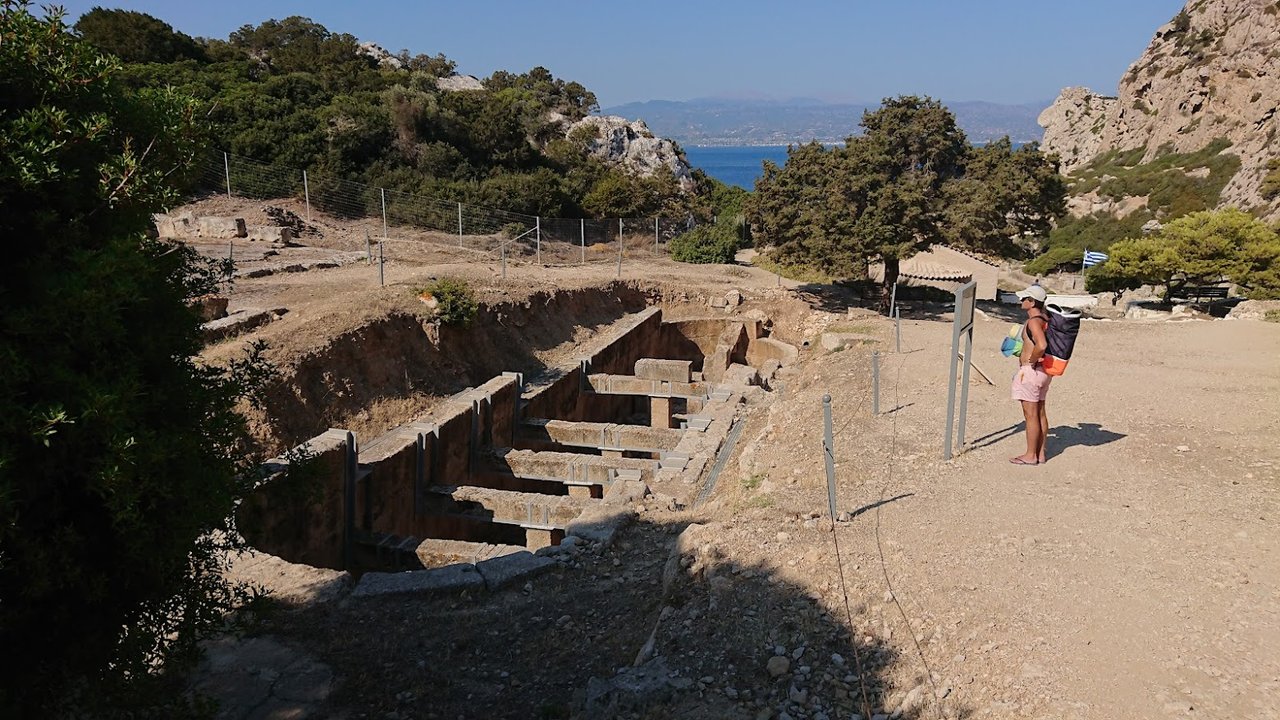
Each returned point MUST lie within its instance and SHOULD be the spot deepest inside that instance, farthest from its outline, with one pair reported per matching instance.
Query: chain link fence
(394, 218)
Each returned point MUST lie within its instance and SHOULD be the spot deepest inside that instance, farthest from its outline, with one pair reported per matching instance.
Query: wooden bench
(1205, 292)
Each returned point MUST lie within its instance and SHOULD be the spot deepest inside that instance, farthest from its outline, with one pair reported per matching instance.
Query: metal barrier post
(538, 236)
(829, 455)
(459, 224)
(875, 382)
(382, 279)
(384, 212)
(306, 193)
(226, 167)
(897, 321)
(582, 236)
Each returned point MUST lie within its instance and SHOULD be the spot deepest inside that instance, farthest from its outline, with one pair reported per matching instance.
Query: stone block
(503, 571)
(627, 491)
(223, 228)
(699, 422)
(714, 365)
(447, 579)
(627, 475)
(211, 307)
(733, 298)
(769, 369)
(669, 370)
(538, 538)
(601, 523)
(660, 412)
(238, 322)
(742, 375)
(269, 233)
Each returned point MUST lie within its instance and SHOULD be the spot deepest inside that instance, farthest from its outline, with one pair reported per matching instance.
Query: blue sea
(740, 164)
(735, 165)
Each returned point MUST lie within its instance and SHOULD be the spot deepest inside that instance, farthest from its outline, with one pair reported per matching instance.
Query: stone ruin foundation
(492, 483)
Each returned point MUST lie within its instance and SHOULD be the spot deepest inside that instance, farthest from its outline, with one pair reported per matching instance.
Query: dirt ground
(1131, 576)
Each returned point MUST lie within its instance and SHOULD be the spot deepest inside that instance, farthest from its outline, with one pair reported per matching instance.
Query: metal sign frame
(966, 301)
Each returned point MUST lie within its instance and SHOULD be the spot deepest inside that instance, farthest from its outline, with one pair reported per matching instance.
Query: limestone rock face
(620, 142)
(459, 83)
(1211, 72)
(382, 56)
(1073, 126)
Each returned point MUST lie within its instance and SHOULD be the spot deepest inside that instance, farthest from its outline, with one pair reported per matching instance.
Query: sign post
(966, 297)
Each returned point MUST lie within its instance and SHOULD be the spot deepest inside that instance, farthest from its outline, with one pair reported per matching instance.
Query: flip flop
(1020, 461)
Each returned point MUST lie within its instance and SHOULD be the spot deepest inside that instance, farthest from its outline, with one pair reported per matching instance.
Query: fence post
(306, 193)
(655, 237)
(384, 213)
(897, 321)
(538, 235)
(582, 238)
(619, 247)
(875, 382)
(504, 261)
(368, 248)
(459, 224)
(226, 167)
(829, 457)
(231, 259)
(382, 278)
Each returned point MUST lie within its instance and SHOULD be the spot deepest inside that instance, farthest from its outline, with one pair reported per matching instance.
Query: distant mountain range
(710, 121)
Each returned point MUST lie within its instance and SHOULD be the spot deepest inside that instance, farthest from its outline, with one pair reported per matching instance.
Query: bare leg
(1031, 413)
(1044, 430)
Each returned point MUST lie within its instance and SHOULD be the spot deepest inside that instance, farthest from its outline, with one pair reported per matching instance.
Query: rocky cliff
(622, 143)
(1211, 73)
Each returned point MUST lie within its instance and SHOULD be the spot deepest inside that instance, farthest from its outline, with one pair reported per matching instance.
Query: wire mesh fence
(398, 220)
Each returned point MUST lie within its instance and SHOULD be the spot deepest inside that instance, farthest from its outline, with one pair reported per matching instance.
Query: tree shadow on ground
(835, 297)
(565, 645)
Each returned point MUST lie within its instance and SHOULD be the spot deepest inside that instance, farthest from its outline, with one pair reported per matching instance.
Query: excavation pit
(511, 466)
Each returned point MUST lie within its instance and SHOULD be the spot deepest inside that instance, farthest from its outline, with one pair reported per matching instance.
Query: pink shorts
(1035, 388)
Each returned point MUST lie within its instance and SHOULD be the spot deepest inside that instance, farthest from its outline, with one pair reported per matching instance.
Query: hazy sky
(1008, 51)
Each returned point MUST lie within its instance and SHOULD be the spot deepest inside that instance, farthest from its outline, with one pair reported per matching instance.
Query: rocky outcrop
(381, 55)
(1211, 72)
(459, 83)
(619, 142)
(1073, 126)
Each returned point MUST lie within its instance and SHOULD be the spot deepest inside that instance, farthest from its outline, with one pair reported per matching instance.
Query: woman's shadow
(1061, 437)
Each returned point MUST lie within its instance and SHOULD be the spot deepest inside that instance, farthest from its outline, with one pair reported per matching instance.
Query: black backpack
(1061, 333)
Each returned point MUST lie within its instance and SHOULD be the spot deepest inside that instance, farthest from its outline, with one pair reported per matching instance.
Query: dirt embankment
(391, 368)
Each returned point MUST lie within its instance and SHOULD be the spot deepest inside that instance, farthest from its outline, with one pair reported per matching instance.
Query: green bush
(121, 457)
(456, 303)
(706, 244)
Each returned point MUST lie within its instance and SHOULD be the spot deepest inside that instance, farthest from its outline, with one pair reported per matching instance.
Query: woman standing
(1031, 384)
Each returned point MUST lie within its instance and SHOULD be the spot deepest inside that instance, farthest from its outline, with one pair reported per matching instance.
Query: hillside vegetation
(1170, 186)
(293, 93)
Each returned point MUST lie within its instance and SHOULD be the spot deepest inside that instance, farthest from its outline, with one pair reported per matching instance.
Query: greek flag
(1094, 258)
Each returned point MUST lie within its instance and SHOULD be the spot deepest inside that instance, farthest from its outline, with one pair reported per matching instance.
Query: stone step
(601, 436)
(570, 468)
(528, 510)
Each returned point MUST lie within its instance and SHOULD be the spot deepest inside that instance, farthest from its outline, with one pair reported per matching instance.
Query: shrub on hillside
(706, 244)
(455, 303)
